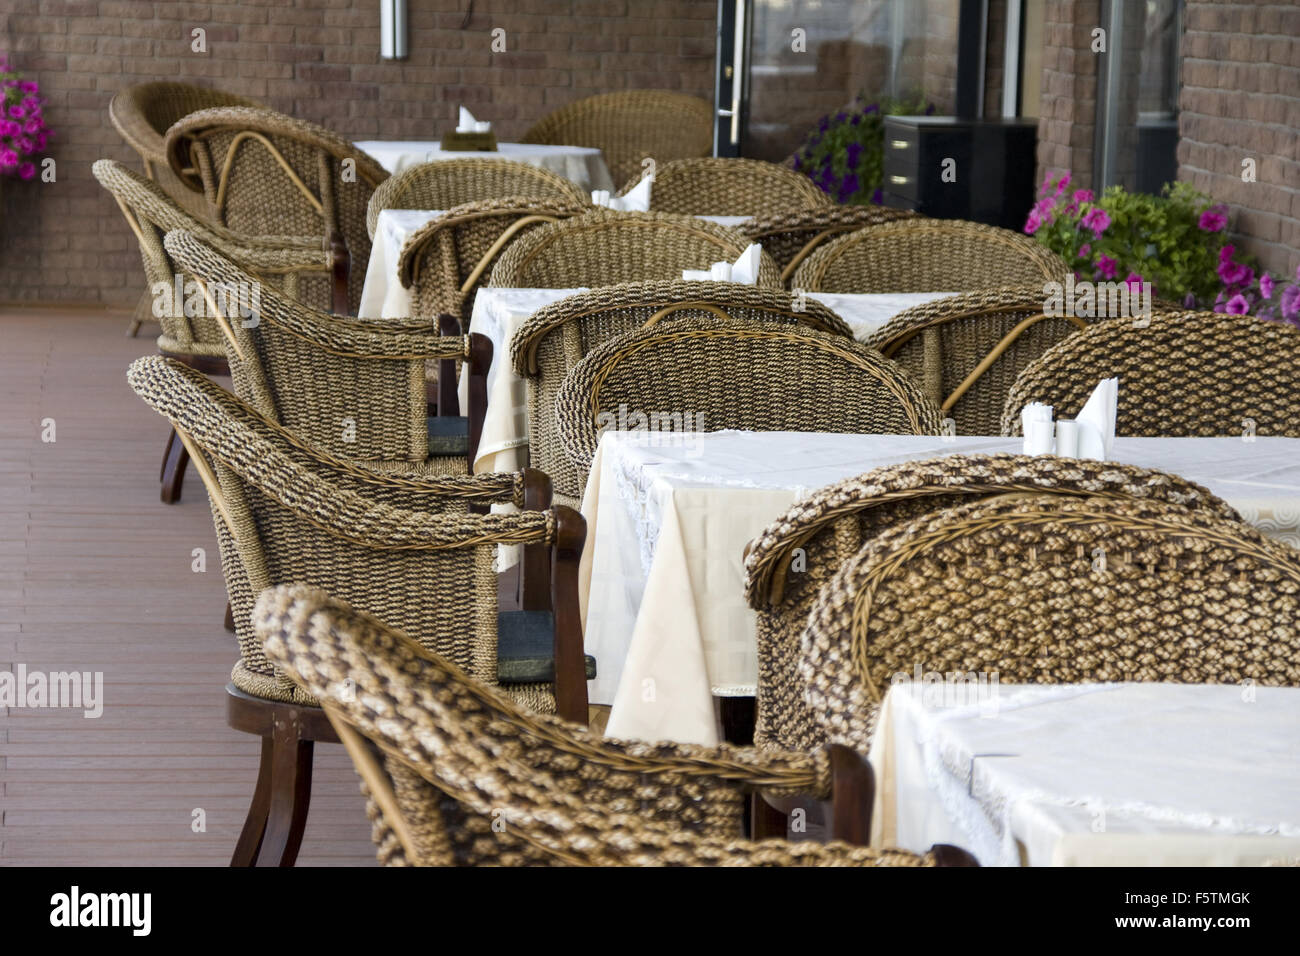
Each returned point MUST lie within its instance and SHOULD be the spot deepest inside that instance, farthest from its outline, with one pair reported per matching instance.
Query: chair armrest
(570, 662)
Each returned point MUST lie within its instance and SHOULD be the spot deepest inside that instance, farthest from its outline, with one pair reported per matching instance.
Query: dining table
(661, 582)
(581, 165)
(1125, 774)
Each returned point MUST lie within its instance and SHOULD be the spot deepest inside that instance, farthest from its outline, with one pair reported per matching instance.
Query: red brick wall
(1241, 99)
(1068, 111)
(318, 60)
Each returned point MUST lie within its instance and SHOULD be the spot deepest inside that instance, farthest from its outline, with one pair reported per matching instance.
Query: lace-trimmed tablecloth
(1092, 775)
(668, 518)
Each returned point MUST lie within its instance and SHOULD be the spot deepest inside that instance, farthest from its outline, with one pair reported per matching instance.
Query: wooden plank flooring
(95, 575)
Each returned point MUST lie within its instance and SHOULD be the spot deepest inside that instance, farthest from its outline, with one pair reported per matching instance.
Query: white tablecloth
(583, 165)
(1091, 775)
(498, 313)
(668, 520)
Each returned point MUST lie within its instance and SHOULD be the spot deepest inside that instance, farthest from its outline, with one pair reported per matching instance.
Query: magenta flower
(1063, 184)
(1033, 222)
(1106, 267)
(1082, 196)
(1097, 220)
(1085, 250)
(16, 112)
(27, 86)
(1131, 280)
(27, 170)
(1212, 220)
(1237, 305)
(1234, 273)
(1226, 253)
(1291, 301)
(8, 158)
(1266, 286)
(32, 126)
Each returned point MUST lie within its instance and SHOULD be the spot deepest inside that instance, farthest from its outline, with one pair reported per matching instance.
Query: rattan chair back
(928, 255)
(714, 186)
(630, 126)
(446, 260)
(400, 546)
(265, 174)
(456, 774)
(791, 236)
(445, 184)
(709, 374)
(143, 113)
(1051, 589)
(798, 554)
(556, 338)
(1180, 374)
(353, 388)
(967, 350)
(605, 247)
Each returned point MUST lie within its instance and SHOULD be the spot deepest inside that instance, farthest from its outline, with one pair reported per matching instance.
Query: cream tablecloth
(583, 165)
(668, 518)
(498, 313)
(1092, 775)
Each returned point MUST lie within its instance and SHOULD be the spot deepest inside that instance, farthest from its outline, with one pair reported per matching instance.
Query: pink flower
(1063, 184)
(1106, 266)
(1291, 301)
(32, 126)
(1033, 222)
(1234, 273)
(16, 112)
(1085, 250)
(1237, 305)
(1212, 220)
(1082, 196)
(8, 159)
(1133, 279)
(1097, 220)
(27, 86)
(1266, 286)
(27, 170)
(1226, 253)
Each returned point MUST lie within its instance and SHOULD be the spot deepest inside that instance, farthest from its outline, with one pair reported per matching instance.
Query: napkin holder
(454, 142)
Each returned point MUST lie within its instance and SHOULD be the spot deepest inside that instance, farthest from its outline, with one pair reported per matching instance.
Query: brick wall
(1068, 106)
(1241, 100)
(315, 59)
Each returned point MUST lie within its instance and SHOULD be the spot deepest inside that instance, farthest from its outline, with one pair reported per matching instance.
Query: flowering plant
(845, 154)
(23, 133)
(1174, 240)
(1244, 293)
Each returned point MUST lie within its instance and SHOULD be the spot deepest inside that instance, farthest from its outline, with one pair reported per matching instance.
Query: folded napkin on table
(638, 200)
(468, 124)
(744, 270)
(1097, 420)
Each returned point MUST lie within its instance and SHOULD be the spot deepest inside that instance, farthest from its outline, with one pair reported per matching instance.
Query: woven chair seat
(1183, 374)
(796, 555)
(928, 255)
(714, 186)
(630, 126)
(1051, 589)
(456, 774)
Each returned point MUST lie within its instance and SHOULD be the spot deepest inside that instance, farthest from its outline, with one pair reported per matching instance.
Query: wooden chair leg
(737, 715)
(290, 796)
(250, 838)
(173, 472)
(853, 789)
(765, 820)
(230, 618)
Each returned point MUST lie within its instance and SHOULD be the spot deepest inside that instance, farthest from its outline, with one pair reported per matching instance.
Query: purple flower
(798, 163)
(1237, 305)
(1062, 184)
(849, 188)
(8, 159)
(1226, 252)
(9, 128)
(1097, 220)
(24, 144)
(855, 121)
(1266, 286)
(1033, 223)
(878, 195)
(32, 126)
(1085, 250)
(27, 170)
(841, 116)
(873, 108)
(1189, 301)
(1231, 273)
(853, 153)
(823, 124)
(1212, 220)
(1291, 301)
(929, 110)
(1081, 196)
(1106, 266)
(27, 86)
(1131, 280)
(17, 112)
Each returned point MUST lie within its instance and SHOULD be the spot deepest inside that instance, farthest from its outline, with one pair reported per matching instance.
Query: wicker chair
(1183, 374)
(446, 260)
(264, 173)
(457, 774)
(405, 547)
(629, 126)
(606, 247)
(355, 389)
(967, 350)
(454, 182)
(928, 255)
(550, 343)
(195, 338)
(1050, 589)
(729, 187)
(732, 373)
(797, 554)
(789, 237)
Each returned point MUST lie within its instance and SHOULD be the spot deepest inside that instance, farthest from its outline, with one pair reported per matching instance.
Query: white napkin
(638, 200)
(744, 270)
(1036, 423)
(468, 124)
(1097, 421)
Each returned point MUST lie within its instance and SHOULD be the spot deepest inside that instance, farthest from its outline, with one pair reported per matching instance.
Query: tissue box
(469, 142)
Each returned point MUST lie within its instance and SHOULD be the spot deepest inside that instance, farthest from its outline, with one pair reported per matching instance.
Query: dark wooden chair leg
(173, 472)
(765, 820)
(570, 662)
(250, 838)
(230, 618)
(286, 818)
(853, 789)
(534, 571)
(737, 715)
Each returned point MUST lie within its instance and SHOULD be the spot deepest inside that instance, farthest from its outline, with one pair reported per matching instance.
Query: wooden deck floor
(95, 575)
